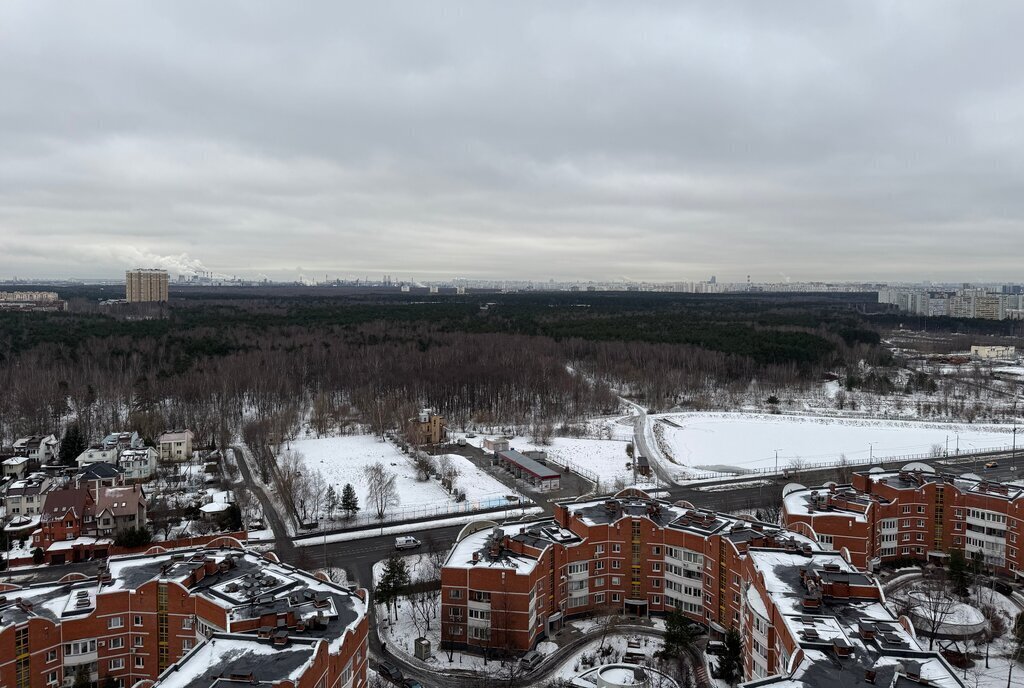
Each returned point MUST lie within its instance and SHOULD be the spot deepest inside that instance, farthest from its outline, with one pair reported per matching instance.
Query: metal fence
(852, 463)
(362, 520)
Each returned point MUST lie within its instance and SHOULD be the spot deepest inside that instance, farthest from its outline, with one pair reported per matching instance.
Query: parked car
(390, 672)
(531, 660)
(412, 683)
(406, 542)
(1002, 587)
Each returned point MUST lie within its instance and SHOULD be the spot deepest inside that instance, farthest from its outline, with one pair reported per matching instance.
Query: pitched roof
(99, 471)
(120, 501)
(59, 502)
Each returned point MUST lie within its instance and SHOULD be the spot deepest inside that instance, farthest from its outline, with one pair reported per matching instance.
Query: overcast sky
(657, 141)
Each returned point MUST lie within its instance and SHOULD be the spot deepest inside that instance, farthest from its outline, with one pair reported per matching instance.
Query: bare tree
(937, 603)
(381, 491)
(424, 464)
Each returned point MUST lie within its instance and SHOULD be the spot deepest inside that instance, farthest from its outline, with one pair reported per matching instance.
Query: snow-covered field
(342, 460)
(421, 567)
(739, 442)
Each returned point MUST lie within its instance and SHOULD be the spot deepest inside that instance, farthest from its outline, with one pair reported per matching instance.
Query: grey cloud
(659, 140)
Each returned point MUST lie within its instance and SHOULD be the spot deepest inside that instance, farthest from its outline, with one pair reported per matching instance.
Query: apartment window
(51, 656)
(599, 566)
(920, 524)
(140, 661)
(455, 594)
(615, 597)
(956, 541)
(906, 509)
(958, 526)
(116, 664)
(616, 580)
(115, 622)
(79, 647)
(959, 513)
(186, 623)
(920, 509)
(906, 523)
(906, 537)
(455, 612)
(599, 549)
(657, 550)
(599, 582)
(656, 600)
(656, 566)
(920, 537)
(657, 582)
(616, 548)
(599, 598)
(139, 640)
(117, 643)
(905, 550)
(616, 564)
(1013, 538)
(51, 678)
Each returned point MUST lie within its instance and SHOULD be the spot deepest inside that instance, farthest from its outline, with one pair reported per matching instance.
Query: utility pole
(776, 464)
(1013, 455)
(871, 453)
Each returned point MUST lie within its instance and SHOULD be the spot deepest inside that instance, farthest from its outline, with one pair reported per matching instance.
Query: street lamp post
(1013, 454)
(871, 453)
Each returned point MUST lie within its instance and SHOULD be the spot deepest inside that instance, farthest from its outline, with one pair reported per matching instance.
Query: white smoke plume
(181, 264)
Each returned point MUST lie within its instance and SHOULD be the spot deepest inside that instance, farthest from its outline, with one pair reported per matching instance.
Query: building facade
(796, 605)
(162, 614)
(176, 445)
(142, 285)
(915, 513)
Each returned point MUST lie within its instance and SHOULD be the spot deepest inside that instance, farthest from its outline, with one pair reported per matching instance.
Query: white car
(406, 542)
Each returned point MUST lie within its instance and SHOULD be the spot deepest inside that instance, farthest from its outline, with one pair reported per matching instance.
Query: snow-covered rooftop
(486, 548)
(247, 659)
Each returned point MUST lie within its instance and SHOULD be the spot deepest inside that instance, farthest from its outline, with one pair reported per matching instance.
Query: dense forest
(260, 362)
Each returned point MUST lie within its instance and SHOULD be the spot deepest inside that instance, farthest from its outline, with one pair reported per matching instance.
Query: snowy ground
(615, 646)
(742, 442)
(1004, 611)
(401, 632)
(420, 567)
(342, 460)
(605, 458)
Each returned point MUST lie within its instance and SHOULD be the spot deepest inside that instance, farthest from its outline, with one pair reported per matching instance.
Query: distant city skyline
(852, 140)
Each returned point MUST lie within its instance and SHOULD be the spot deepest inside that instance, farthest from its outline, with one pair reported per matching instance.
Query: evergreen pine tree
(349, 500)
(958, 572)
(72, 444)
(331, 501)
(730, 666)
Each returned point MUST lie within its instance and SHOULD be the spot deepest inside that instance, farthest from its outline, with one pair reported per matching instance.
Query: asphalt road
(283, 545)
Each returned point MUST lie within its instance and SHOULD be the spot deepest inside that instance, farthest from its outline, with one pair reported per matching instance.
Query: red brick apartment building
(164, 615)
(803, 612)
(914, 513)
